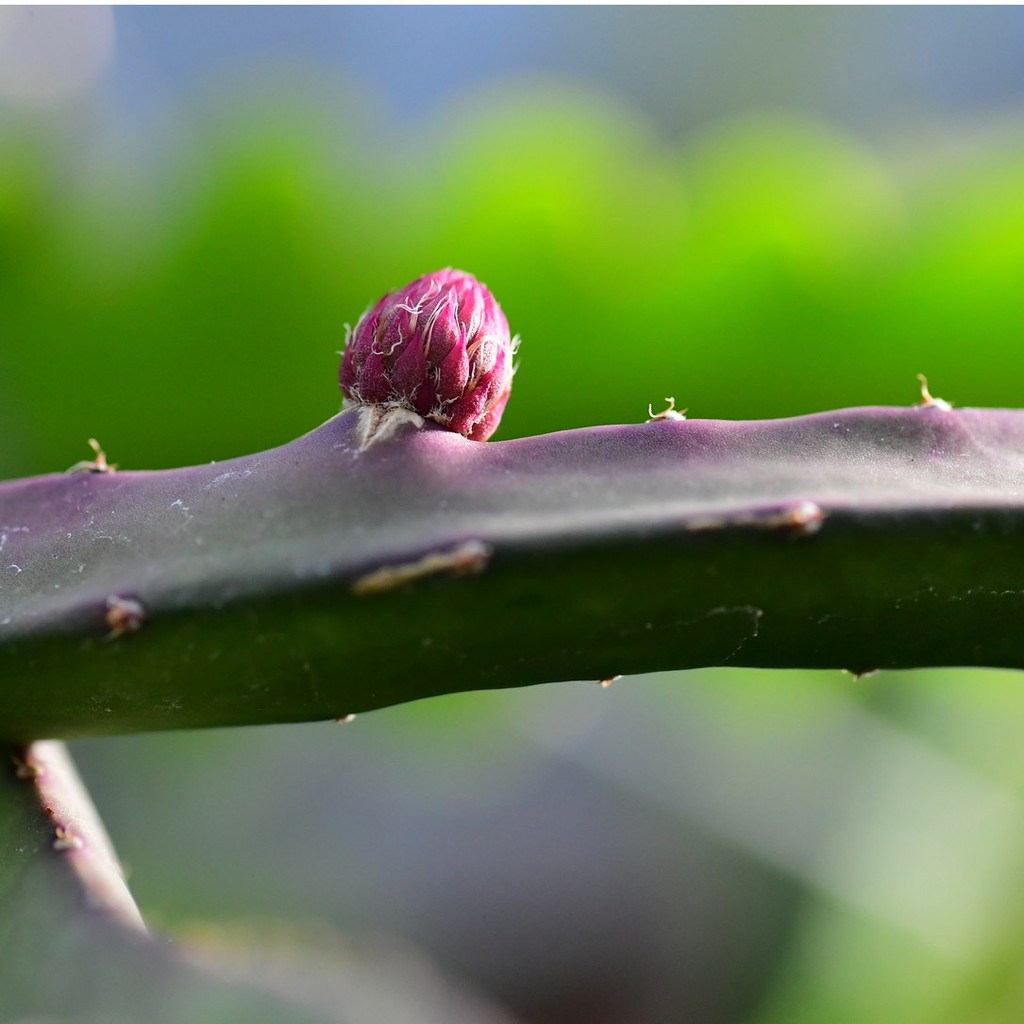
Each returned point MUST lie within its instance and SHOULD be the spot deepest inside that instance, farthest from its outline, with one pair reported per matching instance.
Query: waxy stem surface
(328, 577)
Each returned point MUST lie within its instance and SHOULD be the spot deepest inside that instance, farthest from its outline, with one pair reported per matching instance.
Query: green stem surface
(324, 578)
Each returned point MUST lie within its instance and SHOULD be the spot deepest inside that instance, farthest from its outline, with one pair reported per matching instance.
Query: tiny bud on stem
(440, 347)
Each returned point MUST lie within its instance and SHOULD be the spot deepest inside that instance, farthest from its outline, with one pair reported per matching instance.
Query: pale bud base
(379, 422)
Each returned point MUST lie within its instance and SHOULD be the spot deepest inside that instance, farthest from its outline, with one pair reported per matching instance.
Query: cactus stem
(76, 830)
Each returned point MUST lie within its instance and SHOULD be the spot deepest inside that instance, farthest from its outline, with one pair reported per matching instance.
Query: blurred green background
(761, 213)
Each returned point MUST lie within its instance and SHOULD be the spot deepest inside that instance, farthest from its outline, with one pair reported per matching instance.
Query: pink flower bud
(440, 347)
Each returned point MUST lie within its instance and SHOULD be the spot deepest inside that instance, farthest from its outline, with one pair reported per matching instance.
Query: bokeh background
(760, 212)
